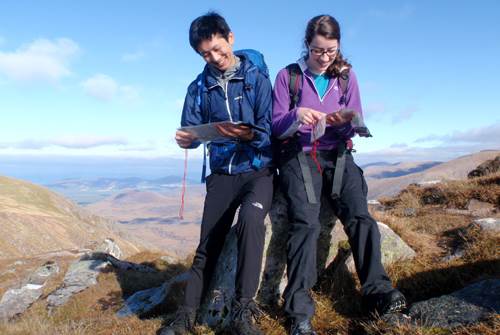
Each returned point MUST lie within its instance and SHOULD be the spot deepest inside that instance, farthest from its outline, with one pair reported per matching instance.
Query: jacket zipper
(315, 90)
(231, 119)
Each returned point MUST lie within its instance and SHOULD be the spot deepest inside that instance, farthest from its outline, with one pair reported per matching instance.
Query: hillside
(455, 169)
(153, 217)
(452, 252)
(34, 220)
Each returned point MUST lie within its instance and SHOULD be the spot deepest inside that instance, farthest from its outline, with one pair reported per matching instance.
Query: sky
(107, 79)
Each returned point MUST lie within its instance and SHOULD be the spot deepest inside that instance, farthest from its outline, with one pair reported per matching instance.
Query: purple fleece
(284, 122)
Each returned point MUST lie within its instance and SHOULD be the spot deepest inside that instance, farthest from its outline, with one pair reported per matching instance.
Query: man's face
(218, 51)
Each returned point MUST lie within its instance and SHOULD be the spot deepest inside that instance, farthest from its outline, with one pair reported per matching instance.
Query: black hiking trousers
(252, 191)
(352, 210)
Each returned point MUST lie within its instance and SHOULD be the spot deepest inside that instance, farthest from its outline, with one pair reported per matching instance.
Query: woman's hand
(308, 116)
(244, 133)
(184, 139)
(339, 119)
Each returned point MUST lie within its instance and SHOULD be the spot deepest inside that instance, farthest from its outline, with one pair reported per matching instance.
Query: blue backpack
(259, 65)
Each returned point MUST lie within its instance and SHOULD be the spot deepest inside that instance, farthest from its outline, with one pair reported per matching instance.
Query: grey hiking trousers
(352, 210)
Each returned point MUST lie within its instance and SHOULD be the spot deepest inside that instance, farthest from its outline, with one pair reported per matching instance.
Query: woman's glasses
(330, 52)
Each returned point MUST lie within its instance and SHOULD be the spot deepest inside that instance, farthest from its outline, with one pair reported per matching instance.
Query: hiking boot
(183, 323)
(385, 303)
(244, 314)
(302, 328)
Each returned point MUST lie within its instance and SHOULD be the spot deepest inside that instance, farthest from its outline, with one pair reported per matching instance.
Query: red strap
(181, 210)
(315, 157)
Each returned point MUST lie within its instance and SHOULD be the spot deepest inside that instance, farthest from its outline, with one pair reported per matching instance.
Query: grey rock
(466, 306)
(109, 246)
(116, 263)
(144, 301)
(217, 304)
(480, 208)
(409, 212)
(81, 275)
(457, 253)
(17, 300)
(489, 224)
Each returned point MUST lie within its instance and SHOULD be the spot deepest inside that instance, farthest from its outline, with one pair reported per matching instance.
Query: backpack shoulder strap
(294, 84)
(344, 83)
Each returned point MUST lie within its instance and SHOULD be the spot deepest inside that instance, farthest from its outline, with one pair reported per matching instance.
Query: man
(230, 88)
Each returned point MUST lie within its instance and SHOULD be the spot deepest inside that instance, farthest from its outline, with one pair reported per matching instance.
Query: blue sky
(107, 78)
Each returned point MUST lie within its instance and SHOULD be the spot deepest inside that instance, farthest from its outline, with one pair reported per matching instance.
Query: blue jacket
(249, 83)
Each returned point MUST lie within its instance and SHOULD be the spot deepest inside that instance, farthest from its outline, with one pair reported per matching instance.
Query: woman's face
(322, 53)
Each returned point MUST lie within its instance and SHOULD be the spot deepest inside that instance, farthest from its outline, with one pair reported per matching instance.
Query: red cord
(315, 157)
(181, 210)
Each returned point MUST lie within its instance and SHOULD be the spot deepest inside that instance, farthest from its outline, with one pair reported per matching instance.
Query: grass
(430, 230)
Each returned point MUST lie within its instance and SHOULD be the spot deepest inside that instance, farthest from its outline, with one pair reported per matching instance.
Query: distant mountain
(455, 169)
(85, 191)
(35, 220)
(153, 217)
(379, 171)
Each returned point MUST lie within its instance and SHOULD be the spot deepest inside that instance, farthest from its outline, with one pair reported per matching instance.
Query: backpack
(259, 66)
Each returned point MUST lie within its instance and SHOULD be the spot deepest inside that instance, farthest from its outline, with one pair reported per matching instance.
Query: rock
(458, 253)
(488, 224)
(480, 208)
(109, 246)
(169, 259)
(433, 195)
(217, 304)
(116, 263)
(409, 212)
(468, 305)
(17, 300)
(144, 301)
(83, 274)
(486, 168)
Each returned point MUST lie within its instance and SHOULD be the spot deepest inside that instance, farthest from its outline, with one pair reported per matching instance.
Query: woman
(324, 84)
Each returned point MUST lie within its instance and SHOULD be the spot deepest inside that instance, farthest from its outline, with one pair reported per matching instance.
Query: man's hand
(338, 119)
(244, 133)
(308, 116)
(184, 139)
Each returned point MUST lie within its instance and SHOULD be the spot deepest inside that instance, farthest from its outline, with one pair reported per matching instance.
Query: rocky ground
(439, 245)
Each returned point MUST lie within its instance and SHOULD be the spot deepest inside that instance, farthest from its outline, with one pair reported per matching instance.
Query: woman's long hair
(328, 27)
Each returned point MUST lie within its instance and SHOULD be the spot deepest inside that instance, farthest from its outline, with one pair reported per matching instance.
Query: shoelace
(246, 310)
(397, 306)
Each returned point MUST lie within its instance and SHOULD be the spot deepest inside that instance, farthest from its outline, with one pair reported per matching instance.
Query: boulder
(83, 272)
(217, 304)
(486, 168)
(488, 224)
(17, 300)
(145, 301)
(466, 306)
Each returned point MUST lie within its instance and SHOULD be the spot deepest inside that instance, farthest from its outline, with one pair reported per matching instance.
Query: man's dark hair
(205, 26)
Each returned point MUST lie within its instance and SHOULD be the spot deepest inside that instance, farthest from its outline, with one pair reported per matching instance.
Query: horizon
(93, 82)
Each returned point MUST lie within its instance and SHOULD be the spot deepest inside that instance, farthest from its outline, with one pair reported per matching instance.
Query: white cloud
(42, 60)
(487, 135)
(105, 88)
(101, 87)
(70, 142)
